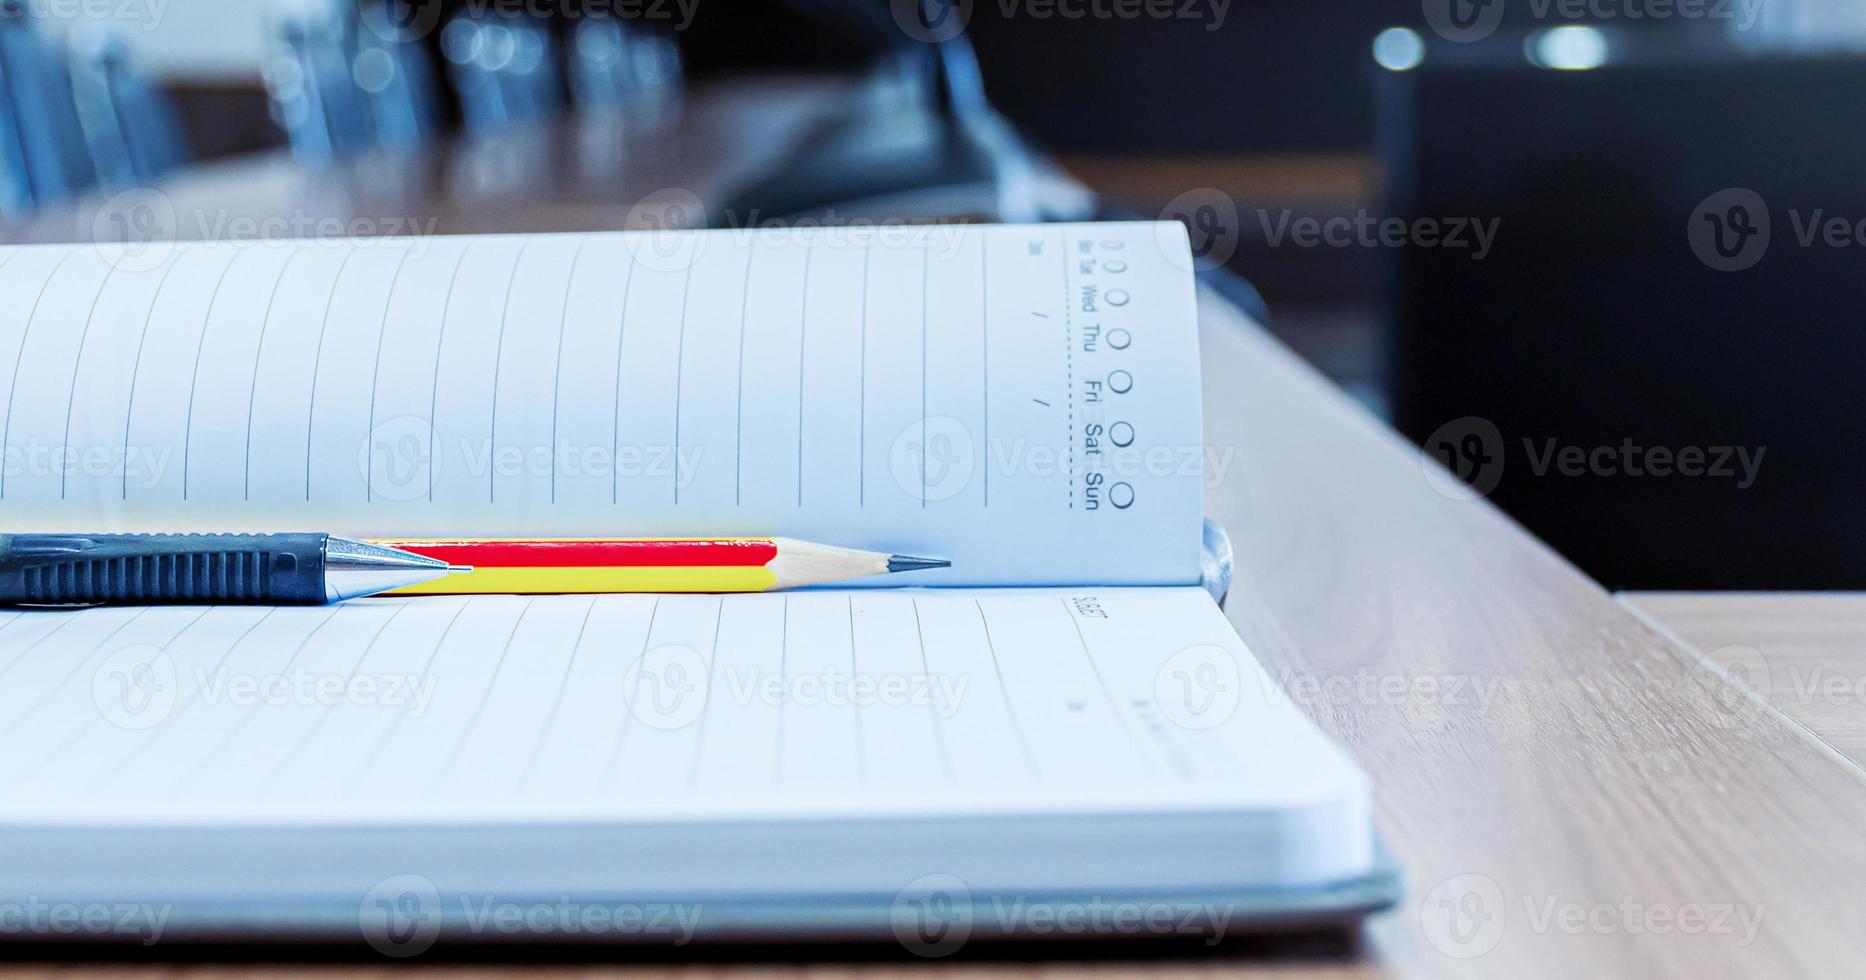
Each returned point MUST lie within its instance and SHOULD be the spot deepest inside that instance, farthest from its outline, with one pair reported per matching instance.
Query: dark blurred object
(130, 126)
(927, 149)
(619, 64)
(397, 78)
(344, 80)
(504, 69)
(315, 96)
(348, 76)
(1224, 76)
(1595, 323)
(15, 188)
(35, 92)
(222, 117)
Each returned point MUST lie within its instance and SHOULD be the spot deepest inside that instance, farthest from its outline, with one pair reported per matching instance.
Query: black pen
(147, 569)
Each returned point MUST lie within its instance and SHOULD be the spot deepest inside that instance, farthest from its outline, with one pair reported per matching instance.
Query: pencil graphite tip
(908, 563)
(459, 569)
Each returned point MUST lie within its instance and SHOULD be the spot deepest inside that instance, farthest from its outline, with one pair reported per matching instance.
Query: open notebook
(1061, 719)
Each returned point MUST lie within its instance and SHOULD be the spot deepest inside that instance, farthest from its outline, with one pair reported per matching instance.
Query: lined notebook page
(644, 707)
(1021, 400)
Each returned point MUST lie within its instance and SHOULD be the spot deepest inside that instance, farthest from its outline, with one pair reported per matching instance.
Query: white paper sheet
(1021, 400)
(633, 707)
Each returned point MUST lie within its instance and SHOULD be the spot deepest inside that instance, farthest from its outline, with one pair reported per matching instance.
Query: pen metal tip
(459, 569)
(908, 563)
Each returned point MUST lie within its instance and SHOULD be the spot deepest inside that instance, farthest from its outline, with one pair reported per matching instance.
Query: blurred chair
(614, 64)
(504, 69)
(392, 68)
(129, 125)
(15, 189)
(46, 135)
(314, 92)
(345, 80)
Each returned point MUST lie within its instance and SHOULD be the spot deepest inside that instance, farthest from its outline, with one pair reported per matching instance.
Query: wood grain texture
(1592, 769)
(1552, 771)
(1804, 654)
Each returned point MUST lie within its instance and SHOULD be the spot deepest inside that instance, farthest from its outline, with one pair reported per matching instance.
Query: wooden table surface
(1570, 791)
(1804, 654)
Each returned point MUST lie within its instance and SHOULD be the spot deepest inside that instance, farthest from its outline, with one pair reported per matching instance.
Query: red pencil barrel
(571, 553)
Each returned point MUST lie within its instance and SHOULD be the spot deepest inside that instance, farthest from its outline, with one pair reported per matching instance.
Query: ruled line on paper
(926, 667)
(194, 378)
(317, 360)
(706, 699)
(861, 437)
(375, 377)
(136, 363)
(324, 711)
(1004, 692)
(1179, 764)
(984, 350)
(615, 414)
(557, 702)
(557, 376)
(498, 361)
(745, 303)
(77, 365)
(925, 258)
(855, 671)
(52, 690)
(803, 334)
(181, 708)
(492, 684)
(34, 645)
(259, 350)
(434, 388)
(253, 711)
(388, 734)
(6, 428)
(680, 362)
(45, 758)
(4, 262)
(777, 762)
(614, 762)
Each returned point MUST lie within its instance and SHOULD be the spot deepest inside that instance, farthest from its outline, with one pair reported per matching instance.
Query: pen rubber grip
(69, 569)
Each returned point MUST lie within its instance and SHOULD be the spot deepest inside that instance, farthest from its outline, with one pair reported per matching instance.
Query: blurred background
(1602, 258)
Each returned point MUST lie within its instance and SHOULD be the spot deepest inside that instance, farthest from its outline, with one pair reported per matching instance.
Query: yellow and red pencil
(537, 566)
